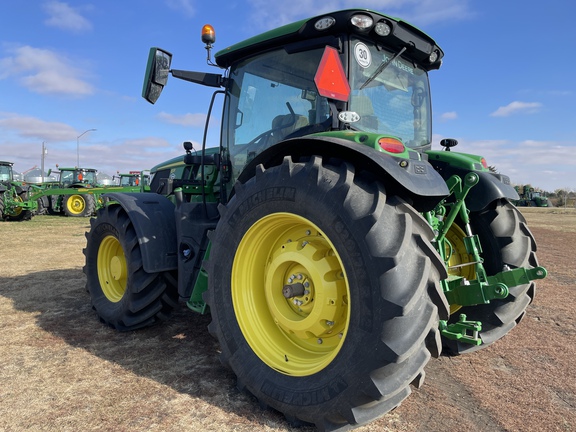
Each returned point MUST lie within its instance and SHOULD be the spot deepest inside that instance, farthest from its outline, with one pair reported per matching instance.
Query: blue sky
(506, 89)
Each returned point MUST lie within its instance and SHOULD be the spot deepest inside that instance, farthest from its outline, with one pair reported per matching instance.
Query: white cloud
(544, 164)
(32, 127)
(451, 115)
(62, 16)
(517, 107)
(194, 120)
(44, 71)
(184, 6)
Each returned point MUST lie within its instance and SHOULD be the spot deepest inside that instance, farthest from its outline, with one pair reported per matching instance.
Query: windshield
(394, 101)
(131, 180)
(273, 97)
(5, 173)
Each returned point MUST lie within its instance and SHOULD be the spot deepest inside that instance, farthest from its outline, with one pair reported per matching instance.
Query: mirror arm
(207, 79)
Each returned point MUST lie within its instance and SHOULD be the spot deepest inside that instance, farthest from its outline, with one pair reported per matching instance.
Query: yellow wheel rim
(17, 210)
(290, 294)
(112, 269)
(457, 256)
(76, 204)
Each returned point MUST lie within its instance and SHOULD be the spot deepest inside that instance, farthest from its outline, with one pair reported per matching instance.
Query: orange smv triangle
(330, 77)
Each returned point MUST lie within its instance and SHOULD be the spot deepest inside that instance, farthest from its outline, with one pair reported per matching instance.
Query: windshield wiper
(380, 68)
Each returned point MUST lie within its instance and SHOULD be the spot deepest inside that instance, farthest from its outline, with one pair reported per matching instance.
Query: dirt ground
(61, 370)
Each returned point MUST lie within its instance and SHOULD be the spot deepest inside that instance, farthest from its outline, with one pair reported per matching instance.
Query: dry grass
(62, 370)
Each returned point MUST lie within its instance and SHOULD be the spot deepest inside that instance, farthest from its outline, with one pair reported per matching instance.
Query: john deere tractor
(335, 250)
(530, 197)
(14, 204)
(73, 194)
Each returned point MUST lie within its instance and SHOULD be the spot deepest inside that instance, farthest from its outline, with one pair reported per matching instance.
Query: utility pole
(44, 152)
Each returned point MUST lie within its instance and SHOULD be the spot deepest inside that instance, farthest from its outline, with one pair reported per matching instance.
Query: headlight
(363, 22)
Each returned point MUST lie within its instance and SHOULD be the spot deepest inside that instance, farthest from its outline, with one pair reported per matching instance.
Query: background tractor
(72, 194)
(14, 204)
(334, 249)
(133, 178)
(529, 197)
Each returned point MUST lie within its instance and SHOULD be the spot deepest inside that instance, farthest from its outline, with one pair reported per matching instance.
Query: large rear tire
(123, 294)
(79, 205)
(324, 293)
(506, 241)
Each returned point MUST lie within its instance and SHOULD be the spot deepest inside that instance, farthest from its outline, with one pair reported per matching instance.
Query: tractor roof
(77, 169)
(6, 163)
(419, 45)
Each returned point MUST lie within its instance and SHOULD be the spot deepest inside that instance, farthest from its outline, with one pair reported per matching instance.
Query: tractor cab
(6, 173)
(354, 75)
(78, 177)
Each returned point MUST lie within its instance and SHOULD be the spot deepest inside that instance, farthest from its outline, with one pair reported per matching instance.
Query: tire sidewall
(362, 342)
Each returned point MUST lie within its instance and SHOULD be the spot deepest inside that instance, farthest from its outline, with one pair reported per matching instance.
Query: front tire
(123, 294)
(506, 241)
(324, 293)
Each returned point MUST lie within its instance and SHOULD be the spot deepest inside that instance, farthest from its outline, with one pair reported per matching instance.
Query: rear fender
(153, 218)
(490, 187)
(417, 182)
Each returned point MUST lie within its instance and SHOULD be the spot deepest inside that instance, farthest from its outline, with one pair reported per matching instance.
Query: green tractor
(528, 197)
(334, 249)
(73, 193)
(132, 179)
(14, 204)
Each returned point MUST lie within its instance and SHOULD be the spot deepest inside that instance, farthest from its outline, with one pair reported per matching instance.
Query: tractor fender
(417, 182)
(152, 216)
(490, 187)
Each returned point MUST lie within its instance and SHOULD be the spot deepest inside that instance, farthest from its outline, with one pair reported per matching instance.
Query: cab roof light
(391, 145)
(362, 22)
(382, 28)
(208, 34)
(209, 38)
(324, 23)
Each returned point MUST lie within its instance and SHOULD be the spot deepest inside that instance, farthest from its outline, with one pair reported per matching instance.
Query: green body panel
(369, 140)
(460, 160)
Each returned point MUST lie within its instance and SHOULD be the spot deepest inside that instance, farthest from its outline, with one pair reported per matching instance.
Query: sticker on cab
(362, 55)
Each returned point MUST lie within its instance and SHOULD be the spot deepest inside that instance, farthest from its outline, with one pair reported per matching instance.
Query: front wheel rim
(112, 269)
(290, 294)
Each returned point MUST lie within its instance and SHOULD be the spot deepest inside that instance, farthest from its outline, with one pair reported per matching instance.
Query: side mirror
(156, 76)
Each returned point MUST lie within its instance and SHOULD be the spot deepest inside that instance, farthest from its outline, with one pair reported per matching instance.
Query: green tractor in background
(73, 193)
(529, 197)
(334, 249)
(14, 204)
(132, 179)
